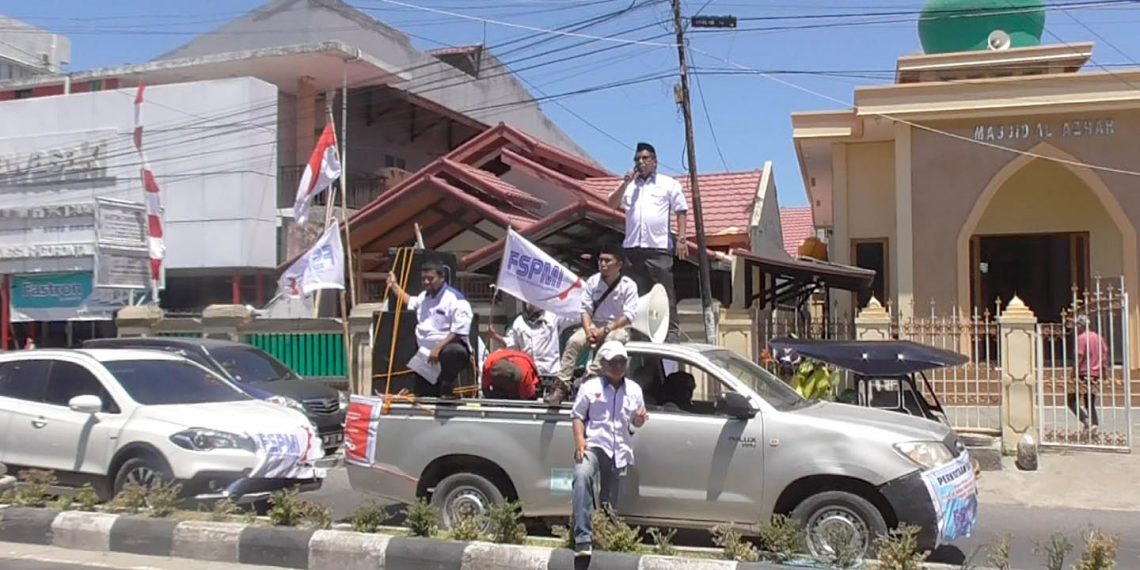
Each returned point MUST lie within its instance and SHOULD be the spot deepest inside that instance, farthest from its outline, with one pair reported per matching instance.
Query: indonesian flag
(322, 170)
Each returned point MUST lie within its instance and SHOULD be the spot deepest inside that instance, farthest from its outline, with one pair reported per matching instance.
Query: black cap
(612, 248)
(645, 146)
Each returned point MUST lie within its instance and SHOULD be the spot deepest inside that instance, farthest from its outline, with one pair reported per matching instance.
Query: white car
(111, 417)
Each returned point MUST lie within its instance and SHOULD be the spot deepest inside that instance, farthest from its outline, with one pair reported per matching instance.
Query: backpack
(510, 374)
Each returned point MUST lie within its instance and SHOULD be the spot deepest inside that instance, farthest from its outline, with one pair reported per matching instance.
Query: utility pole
(698, 218)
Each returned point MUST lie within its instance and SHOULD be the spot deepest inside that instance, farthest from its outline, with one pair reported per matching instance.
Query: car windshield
(164, 382)
(251, 365)
(764, 383)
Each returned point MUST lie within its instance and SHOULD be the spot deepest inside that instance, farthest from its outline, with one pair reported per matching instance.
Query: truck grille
(322, 406)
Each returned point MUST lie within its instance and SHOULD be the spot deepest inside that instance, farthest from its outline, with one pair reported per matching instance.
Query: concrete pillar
(1018, 336)
(839, 244)
(873, 322)
(225, 321)
(737, 332)
(903, 247)
(306, 118)
(139, 320)
(359, 329)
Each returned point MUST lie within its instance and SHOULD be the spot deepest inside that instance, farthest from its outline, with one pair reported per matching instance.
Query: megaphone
(653, 314)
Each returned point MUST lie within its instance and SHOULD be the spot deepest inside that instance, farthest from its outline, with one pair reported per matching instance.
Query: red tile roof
(494, 185)
(726, 199)
(797, 224)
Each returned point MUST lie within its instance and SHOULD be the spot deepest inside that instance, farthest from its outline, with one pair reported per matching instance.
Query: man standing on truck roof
(605, 412)
(443, 328)
(609, 306)
(650, 199)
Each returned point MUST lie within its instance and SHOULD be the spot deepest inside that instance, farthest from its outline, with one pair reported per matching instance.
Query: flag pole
(350, 288)
(331, 201)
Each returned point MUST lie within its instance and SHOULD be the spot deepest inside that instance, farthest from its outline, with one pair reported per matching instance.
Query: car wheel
(465, 494)
(827, 516)
(145, 470)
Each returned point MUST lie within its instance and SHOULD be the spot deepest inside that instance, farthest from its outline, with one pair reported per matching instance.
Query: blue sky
(741, 120)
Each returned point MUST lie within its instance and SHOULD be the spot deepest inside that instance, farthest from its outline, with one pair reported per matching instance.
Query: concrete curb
(306, 549)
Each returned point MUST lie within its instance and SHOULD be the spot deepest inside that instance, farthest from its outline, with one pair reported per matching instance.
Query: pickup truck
(746, 447)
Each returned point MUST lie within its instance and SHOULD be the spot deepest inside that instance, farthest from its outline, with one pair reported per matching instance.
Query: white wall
(211, 144)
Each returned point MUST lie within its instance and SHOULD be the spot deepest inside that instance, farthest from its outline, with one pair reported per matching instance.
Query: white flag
(531, 275)
(322, 267)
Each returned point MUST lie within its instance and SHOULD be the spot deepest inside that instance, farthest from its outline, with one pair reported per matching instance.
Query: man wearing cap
(649, 198)
(443, 324)
(605, 412)
(609, 306)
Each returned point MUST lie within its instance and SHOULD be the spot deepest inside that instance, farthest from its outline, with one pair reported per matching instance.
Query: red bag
(510, 374)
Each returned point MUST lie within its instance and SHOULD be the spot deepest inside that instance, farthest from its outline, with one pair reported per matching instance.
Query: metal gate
(1084, 371)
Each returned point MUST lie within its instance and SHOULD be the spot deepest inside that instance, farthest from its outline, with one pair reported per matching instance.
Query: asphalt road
(1027, 526)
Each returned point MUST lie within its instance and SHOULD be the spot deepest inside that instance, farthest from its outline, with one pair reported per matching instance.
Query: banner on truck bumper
(954, 491)
(360, 425)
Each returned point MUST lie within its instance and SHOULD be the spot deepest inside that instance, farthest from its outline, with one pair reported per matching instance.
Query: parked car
(745, 447)
(113, 417)
(258, 374)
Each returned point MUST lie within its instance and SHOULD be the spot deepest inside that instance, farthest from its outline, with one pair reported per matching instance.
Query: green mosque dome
(948, 26)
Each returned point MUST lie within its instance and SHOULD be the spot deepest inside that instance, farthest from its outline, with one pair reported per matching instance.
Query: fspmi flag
(531, 275)
(322, 267)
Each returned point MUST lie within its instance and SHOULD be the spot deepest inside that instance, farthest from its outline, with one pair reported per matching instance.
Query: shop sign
(1075, 128)
(82, 161)
(50, 291)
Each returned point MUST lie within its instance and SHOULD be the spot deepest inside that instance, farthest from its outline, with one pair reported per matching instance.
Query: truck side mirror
(735, 405)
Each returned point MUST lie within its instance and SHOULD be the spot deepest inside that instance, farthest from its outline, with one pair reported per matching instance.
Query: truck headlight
(925, 454)
(201, 439)
(287, 402)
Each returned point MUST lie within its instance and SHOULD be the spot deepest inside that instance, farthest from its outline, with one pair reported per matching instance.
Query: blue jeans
(596, 465)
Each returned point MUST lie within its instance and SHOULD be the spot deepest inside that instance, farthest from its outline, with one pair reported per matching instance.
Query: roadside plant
(223, 510)
(33, 489)
(287, 508)
(845, 551)
(506, 523)
(422, 519)
(61, 503)
(613, 534)
(467, 528)
(86, 499)
(369, 518)
(663, 541)
(563, 534)
(782, 537)
(1055, 550)
(733, 544)
(898, 550)
(130, 500)
(163, 497)
(1100, 551)
(999, 558)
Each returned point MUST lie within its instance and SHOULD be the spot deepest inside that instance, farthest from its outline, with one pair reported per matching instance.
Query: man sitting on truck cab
(443, 327)
(605, 412)
(609, 306)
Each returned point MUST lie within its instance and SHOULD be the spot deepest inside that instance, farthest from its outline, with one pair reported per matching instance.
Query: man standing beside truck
(605, 412)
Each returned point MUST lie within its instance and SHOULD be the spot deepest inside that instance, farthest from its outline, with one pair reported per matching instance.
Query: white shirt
(436, 317)
(648, 204)
(621, 301)
(607, 413)
(539, 340)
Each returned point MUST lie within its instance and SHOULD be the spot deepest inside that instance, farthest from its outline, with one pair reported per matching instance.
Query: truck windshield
(764, 383)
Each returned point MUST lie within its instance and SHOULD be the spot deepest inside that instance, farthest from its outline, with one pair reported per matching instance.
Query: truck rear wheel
(833, 514)
(465, 494)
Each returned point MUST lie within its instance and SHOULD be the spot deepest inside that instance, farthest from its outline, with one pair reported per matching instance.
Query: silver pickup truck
(746, 447)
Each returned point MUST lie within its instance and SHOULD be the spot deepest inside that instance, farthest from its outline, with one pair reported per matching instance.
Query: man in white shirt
(443, 327)
(609, 306)
(536, 332)
(605, 412)
(649, 198)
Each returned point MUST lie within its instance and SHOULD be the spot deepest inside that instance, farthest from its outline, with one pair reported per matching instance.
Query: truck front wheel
(465, 494)
(838, 515)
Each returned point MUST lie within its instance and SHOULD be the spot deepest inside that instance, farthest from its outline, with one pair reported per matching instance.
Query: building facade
(980, 175)
(27, 51)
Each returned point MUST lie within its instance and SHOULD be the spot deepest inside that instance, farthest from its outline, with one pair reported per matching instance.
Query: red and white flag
(322, 170)
(155, 239)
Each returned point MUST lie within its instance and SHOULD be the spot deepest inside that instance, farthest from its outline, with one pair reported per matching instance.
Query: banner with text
(533, 276)
(63, 297)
